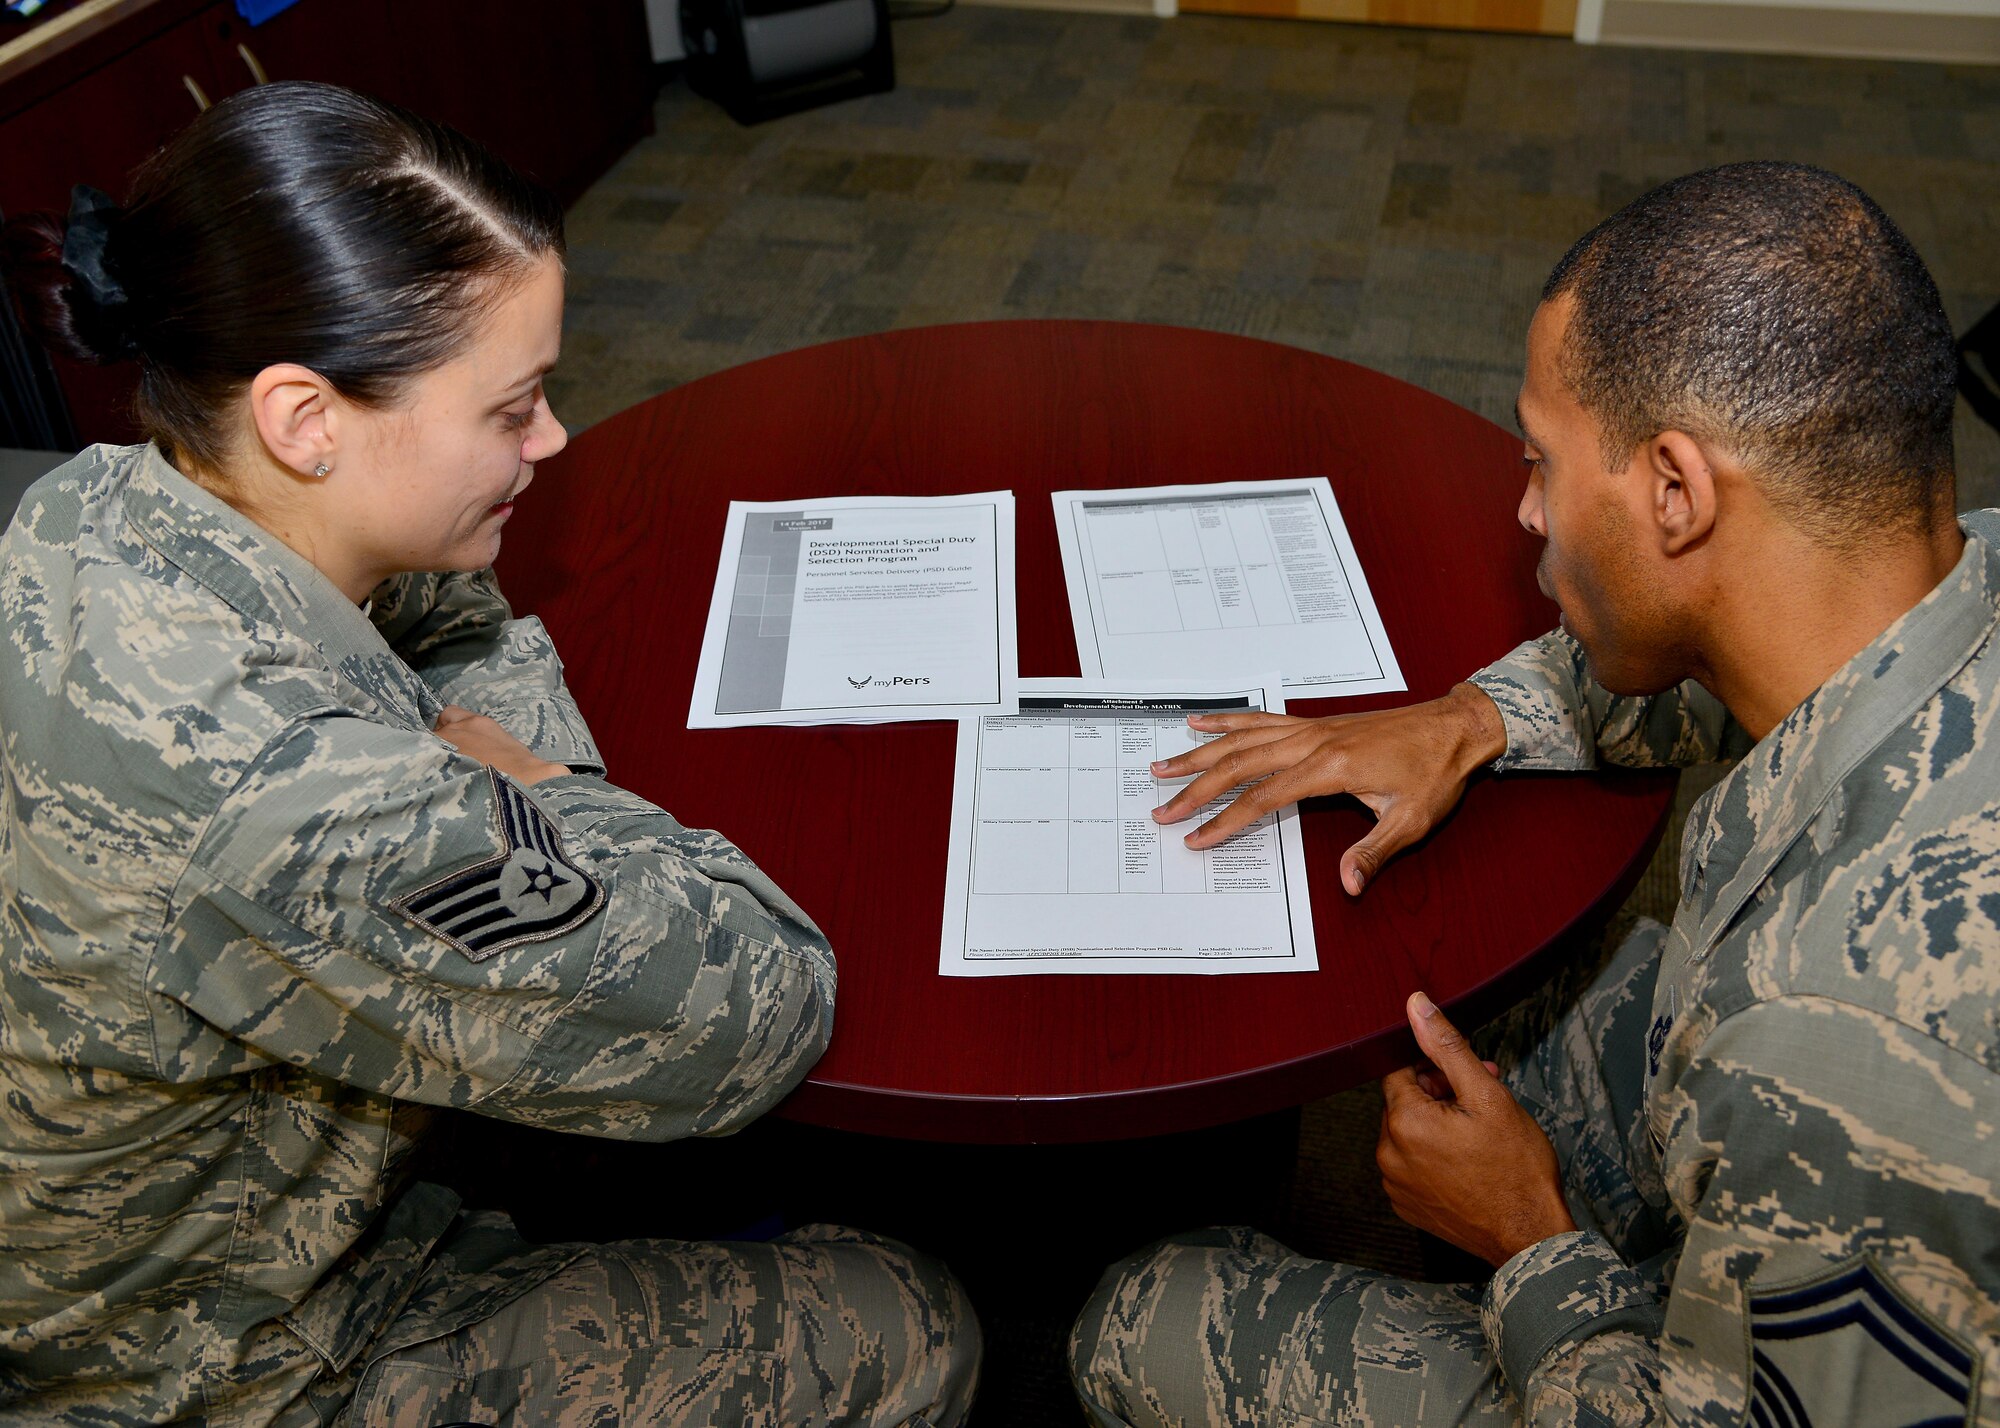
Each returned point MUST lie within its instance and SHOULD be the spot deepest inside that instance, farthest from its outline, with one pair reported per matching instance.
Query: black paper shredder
(762, 58)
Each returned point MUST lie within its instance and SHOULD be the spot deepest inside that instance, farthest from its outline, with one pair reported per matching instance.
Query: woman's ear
(291, 407)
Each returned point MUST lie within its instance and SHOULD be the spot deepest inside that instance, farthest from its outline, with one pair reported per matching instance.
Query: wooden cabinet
(96, 129)
(559, 91)
(494, 67)
(355, 46)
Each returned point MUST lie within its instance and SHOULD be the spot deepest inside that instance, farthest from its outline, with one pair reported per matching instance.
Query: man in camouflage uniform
(1748, 1170)
(259, 914)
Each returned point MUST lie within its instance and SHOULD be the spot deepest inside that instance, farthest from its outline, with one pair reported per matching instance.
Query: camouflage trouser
(821, 1326)
(1229, 1327)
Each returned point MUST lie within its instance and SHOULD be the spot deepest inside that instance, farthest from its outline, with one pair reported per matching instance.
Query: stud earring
(321, 469)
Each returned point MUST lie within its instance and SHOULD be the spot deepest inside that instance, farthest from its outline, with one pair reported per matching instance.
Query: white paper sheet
(860, 609)
(1208, 581)
(1056, 864)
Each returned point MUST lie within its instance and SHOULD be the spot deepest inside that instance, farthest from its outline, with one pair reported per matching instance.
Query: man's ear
(291, 407)
(1682, 489)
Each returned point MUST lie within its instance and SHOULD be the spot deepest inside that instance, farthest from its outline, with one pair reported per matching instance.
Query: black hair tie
(91, 214)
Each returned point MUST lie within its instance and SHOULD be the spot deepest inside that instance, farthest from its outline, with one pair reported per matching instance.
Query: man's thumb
(1447, 1048)
(1360, 863)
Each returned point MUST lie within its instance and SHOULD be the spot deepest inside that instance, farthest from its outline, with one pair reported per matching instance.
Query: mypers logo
(892, 681)
(861, 683)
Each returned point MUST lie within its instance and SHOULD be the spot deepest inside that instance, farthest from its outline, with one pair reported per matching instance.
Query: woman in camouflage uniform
(303, 836)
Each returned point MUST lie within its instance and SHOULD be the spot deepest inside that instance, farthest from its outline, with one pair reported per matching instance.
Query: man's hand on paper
(478, 737)
(1459, 1157)
(1408, 765)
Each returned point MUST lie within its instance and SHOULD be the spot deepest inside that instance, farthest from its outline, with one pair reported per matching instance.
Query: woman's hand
(478, 737)
(1408, 765)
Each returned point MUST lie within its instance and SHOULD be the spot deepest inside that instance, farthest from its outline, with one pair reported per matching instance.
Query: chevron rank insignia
(1847, 1348)
(529, 892)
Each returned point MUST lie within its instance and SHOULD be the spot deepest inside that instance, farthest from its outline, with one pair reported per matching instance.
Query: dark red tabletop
(616, 550)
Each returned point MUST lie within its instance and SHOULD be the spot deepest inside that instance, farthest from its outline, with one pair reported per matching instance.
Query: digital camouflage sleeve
(1822, 1092)
(1559, 718)
(457, 632)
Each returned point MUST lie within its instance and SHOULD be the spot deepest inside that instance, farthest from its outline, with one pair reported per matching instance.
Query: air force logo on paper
(528, 893)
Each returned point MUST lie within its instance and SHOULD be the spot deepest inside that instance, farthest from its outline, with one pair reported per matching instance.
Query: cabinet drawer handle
(194, 90)
(250, 62)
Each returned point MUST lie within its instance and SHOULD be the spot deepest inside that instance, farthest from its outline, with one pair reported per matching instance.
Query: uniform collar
(269, 583)
(1755, 814)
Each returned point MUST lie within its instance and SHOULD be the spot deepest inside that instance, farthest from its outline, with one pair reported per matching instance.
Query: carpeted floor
(1390, 196)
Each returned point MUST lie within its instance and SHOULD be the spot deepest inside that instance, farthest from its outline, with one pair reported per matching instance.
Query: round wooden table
(616, 550)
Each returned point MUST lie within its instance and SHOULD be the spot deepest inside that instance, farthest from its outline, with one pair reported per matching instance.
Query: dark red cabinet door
(558, 91)
(346, 42)
(97, 130)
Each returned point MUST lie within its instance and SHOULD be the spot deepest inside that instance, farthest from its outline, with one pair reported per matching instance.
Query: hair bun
(62, 276)
(100, 306)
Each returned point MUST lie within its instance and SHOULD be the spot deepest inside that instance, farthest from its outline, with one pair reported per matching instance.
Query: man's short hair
(1773, 309)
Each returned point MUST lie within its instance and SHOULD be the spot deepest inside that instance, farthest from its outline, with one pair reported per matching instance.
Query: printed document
(1210, 581)
(1056, 862)
(860, 609)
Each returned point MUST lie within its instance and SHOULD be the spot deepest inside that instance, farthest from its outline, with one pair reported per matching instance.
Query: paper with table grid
(1199, 581)
(860, 609)
(1056, 864)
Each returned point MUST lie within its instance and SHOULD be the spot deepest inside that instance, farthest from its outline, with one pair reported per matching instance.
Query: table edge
(1196, 1105)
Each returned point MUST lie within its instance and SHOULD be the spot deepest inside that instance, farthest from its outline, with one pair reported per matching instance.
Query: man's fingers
(1204, 756)
(1439, 1089)
(1229, 723)
(1448, 1049)
(1233, 767)
(1398, 1087)
(1252, 804)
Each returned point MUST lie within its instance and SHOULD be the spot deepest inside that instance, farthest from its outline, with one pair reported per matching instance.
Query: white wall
(1953, 31)
(663, 19)
(1901, 7)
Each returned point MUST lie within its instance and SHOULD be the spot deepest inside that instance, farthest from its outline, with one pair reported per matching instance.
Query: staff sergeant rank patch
(528, 893)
